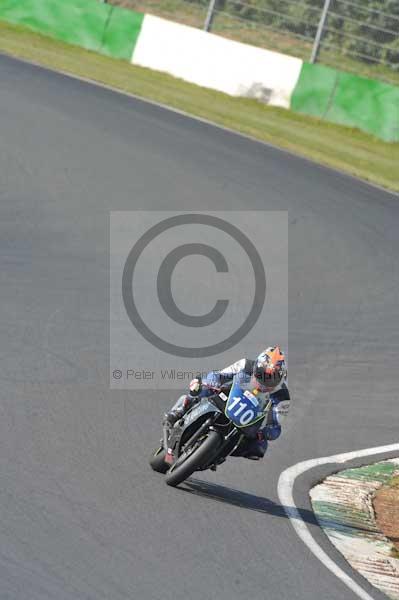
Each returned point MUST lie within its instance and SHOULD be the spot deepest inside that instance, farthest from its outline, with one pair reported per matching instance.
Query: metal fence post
(209, 15)
(319, 34)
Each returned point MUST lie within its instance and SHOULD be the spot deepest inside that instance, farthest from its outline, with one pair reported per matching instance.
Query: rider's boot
(184, 403)
(171, 417)
(176, 413)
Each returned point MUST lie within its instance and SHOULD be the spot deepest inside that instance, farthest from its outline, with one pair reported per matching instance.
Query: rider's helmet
(269, 369)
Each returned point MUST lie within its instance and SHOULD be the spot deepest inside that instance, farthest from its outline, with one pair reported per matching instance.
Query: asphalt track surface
(82, 516)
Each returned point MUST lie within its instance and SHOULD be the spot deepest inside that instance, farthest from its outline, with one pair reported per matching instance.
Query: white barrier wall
(216, 62)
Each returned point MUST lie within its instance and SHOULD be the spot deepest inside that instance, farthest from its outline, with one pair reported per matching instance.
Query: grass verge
(349, 150)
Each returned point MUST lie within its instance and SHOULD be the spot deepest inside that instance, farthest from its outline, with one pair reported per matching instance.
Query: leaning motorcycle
(208, 433)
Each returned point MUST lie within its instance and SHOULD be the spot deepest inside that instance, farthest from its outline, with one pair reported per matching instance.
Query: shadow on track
(245, 500)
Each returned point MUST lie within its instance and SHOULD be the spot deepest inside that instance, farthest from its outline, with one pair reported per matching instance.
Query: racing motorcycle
(208, 433)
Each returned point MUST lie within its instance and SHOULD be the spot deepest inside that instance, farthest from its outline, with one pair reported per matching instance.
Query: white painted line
(285, 493)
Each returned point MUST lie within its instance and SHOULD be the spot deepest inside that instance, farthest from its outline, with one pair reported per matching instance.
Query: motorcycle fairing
(243, 408)
(199, 412)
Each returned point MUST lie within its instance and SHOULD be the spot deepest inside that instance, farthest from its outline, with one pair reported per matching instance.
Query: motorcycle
(208, 433)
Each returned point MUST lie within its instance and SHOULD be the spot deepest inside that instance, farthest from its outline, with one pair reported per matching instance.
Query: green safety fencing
(346, 99)
(87, 23)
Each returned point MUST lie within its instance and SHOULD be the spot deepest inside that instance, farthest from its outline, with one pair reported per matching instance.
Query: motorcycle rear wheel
(179, 472)
(157, 461)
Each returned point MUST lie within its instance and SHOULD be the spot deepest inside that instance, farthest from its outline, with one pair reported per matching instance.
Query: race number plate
(242, 407)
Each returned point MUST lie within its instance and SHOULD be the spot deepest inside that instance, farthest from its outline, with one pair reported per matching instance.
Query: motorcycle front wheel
(196, 459)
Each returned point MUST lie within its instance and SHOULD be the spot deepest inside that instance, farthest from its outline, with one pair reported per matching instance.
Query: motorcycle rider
(266, 376)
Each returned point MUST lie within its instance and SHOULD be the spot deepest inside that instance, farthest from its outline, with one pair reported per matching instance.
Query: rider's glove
(195, 386)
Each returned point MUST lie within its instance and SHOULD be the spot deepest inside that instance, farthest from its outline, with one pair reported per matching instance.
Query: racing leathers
(258, 435)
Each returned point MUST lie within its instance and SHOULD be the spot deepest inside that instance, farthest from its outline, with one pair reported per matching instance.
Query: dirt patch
(386, 507)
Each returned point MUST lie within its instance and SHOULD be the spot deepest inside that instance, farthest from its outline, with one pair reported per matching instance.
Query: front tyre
(157, 461)
(205, 452)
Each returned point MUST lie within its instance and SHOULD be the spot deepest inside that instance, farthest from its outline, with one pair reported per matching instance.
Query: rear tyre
(157, 461)
(197, 459)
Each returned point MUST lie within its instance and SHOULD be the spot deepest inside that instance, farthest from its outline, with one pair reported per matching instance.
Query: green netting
(86, 23)
(347, 99)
